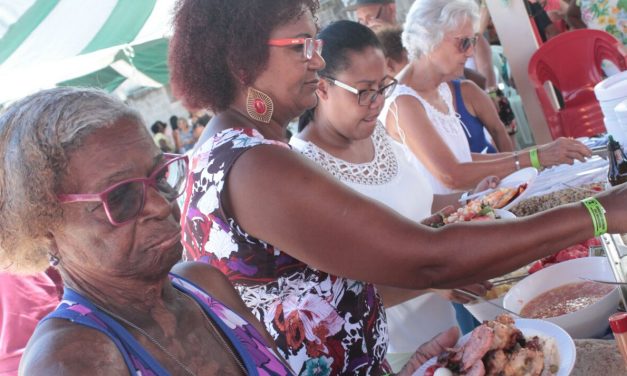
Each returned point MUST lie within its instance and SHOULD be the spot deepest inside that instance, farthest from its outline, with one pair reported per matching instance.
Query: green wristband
(535, 161)
(597, 213)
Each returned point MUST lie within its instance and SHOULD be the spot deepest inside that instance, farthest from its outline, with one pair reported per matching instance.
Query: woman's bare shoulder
(470, 88)
(60, 347)
(211, 280)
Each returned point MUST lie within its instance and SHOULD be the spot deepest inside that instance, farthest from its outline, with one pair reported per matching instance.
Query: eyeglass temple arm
(346, 87)
(79, 197)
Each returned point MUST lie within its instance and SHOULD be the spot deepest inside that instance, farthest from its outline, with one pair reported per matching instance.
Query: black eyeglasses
(124, 201)
(368, 96)
(465, 43)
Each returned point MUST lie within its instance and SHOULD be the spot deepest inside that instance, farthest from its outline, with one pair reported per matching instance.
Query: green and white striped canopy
(117, 45)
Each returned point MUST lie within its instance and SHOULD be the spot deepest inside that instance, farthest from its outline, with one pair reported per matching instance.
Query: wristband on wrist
(597, 213)
(516, 160)
(533, 157)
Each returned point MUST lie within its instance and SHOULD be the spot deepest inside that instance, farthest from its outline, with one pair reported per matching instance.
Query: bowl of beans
(560, 295)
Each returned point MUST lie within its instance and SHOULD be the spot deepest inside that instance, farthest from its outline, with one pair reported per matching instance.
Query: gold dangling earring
(259, 105)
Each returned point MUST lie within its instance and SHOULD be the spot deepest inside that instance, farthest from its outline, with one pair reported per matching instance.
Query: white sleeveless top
(448, 126)
(391, 178)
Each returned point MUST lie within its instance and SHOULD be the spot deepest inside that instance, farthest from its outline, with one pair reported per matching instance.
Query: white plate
(532, 327)
(525, 175)
(504, 214)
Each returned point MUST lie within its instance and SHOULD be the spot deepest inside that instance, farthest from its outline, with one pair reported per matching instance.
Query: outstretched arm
(278, 196)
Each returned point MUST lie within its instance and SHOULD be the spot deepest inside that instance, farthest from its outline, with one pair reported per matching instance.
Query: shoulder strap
(401, 90)
(206, 301)
(79, 310)
(459, 102)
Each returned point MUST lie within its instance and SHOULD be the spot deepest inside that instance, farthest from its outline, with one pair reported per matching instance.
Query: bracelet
(535, 161)
(517, 160)
(597, 213)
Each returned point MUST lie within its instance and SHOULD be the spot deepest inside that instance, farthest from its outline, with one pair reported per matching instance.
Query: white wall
(154, 104)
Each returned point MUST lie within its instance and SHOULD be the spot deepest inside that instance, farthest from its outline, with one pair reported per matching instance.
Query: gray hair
(36, 136)
(428, 21)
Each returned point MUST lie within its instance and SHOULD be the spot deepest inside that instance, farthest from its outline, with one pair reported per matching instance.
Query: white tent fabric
(44, 42)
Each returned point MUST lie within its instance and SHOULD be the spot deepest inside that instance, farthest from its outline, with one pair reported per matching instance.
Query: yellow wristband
(597, 213)
(535, 161)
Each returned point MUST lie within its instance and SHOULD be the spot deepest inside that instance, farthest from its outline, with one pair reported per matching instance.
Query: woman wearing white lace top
(439, 36)
(343, 136)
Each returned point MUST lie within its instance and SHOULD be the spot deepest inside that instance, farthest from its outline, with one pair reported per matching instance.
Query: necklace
(216, 333)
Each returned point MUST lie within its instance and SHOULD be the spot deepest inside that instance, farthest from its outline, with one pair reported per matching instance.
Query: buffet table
(598, 357)
(594, 356)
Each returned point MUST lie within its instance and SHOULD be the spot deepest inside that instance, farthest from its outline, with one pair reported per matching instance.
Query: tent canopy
(116, 45)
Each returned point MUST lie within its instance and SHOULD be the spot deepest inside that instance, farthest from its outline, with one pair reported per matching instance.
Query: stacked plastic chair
(572, 62)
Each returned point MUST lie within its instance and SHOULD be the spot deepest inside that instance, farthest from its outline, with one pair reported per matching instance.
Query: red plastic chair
(572, 63)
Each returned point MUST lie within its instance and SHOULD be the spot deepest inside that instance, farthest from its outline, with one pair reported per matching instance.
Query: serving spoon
(606, 282)
(484, 300)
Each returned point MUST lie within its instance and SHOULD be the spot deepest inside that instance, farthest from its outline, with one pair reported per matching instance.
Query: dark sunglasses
(465, 43)
(124, 201)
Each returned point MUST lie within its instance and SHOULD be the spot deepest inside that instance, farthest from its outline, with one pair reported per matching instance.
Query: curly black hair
(220, 45)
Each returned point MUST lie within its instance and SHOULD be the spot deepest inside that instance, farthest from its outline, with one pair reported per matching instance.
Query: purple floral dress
(323, 324)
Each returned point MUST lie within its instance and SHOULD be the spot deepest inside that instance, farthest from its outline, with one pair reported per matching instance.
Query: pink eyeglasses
(124, 201)
(310, 45)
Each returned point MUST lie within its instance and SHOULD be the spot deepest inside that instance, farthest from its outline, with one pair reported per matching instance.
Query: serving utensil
(606, 282)
(503, 281)
(478, 194)
(484, 300)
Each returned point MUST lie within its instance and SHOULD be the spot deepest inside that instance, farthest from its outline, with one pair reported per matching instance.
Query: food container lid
(618, 322)
(613, 87)
(621, 108)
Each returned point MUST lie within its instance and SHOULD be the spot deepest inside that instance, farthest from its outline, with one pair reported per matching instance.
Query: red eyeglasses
(310, 45)
(124, 201)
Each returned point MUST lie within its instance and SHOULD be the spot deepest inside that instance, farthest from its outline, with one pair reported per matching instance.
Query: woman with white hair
(439, 36)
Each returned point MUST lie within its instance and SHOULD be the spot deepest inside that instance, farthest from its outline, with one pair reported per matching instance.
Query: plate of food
(476, 210)
(508, 346)
(516, 186)
(509, 192)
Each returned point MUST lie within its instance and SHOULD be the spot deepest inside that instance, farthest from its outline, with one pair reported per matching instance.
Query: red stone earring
(259, 105)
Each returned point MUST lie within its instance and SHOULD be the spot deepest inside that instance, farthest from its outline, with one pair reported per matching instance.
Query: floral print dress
(323, 324)
(606, 15)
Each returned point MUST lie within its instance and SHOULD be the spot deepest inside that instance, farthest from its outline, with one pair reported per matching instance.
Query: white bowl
(588, 322)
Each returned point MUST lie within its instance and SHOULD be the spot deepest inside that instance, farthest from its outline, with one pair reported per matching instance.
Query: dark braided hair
(340, 38)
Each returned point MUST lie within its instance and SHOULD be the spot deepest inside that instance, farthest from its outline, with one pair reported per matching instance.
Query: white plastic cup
(610, 93)
(621, 118)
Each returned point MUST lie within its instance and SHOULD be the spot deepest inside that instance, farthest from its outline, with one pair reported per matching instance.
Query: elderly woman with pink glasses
(439, 35)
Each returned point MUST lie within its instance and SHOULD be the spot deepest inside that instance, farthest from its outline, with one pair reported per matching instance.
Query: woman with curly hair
(302, 250)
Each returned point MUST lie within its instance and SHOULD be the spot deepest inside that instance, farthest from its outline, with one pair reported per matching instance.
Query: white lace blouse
(392, 179)
(448, 126)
